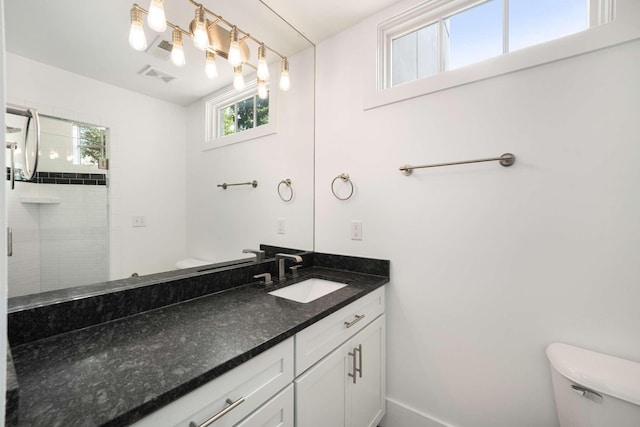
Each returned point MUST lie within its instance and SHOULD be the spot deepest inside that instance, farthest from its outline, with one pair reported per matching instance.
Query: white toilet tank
(192, 262)
(594, 389)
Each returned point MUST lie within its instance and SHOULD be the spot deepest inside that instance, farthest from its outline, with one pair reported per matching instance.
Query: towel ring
(345, 178)
(288, 183)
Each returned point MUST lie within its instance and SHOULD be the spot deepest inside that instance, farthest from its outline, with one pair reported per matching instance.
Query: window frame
(230, 96)
(622, 19)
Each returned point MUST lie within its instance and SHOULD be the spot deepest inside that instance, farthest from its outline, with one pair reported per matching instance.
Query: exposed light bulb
(177, 52)
(238, 79)
(210, 67)
(69, 157)
(137, 39)
(156, 19)
(285, 83)
(234, 57)
(53, 154)
(263, 67)
(262, 89)
(200, 36)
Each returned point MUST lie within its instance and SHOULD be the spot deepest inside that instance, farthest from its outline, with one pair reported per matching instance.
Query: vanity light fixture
(215, 36)
(177, 51)
(285, 83)
(210, 67)
(263, 67)
(137, 40)
(156, 19)
(262, 89)
(200, 36)
(238, 78)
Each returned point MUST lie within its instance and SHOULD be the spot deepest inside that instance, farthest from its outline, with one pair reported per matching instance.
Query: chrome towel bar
(507, 159)
(253, 183)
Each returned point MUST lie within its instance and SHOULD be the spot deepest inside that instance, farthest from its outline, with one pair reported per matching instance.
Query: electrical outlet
(356, 230)
(138, 221)
(281, 226)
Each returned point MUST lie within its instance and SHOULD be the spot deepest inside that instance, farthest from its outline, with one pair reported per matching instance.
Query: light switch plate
(356, 230)
(281, 226)
(138, 221)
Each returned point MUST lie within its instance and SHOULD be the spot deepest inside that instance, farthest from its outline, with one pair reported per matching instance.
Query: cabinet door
(321, 392)
(326, 395)
(367, 395)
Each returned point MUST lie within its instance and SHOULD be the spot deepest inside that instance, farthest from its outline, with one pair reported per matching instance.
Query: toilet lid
(192, 262)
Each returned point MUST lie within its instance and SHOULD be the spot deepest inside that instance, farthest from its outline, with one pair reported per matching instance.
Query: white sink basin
(308, 290)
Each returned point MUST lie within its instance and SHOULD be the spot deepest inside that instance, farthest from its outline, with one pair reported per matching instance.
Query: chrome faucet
(280, 263)
(258, 253)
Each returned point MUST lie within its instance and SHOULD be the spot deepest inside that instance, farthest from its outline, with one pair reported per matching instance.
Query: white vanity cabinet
(338, 380)
(252, 388)
(345, 383)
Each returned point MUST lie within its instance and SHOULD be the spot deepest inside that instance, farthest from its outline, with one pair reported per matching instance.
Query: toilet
(593, 389)
(191, 262)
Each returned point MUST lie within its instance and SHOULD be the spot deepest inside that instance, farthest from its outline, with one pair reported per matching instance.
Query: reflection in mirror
(60, 218)
(164, 206)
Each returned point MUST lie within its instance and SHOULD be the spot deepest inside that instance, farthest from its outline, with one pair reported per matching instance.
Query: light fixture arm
(242, 33)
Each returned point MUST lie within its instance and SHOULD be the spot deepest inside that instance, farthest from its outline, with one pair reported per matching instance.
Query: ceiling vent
(160, 48)
(151, 71)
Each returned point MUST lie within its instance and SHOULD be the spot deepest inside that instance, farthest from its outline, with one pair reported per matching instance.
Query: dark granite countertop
(117, 372)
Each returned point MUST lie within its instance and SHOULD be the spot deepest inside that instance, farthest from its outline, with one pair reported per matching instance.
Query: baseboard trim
(400, 415)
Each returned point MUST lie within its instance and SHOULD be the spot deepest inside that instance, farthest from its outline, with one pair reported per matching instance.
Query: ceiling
(90, 38)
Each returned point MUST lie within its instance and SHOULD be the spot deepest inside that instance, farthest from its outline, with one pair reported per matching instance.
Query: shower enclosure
(58, 218)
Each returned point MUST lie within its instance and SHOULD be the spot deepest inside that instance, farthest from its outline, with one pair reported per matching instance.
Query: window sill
(622, 30)
(259, 132)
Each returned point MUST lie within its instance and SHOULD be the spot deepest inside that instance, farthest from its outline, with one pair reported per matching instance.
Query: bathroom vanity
(237, 356)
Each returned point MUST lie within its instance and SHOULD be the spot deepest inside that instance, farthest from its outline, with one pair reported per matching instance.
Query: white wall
(220, 223)
(147, 151)
(489, 264)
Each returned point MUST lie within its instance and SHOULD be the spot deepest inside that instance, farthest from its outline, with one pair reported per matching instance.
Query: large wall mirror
(161, 200)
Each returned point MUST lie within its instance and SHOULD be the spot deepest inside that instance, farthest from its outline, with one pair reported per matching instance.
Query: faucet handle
(260, 254)
(266, 276)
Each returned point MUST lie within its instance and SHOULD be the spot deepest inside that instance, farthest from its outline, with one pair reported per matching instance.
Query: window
(429, 47)
(232, 116)
(444, 35)
(243, 115)
(89, 144)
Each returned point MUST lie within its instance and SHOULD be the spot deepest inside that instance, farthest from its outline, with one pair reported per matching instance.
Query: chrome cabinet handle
(355, 368)
(9, 241)
(353, 322)
(232, 405)
(356, 371)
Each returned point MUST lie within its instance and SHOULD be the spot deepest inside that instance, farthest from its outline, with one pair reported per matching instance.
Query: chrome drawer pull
(232, 405)
(353, 322)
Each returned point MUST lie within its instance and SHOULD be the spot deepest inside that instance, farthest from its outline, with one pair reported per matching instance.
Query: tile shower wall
(59, 243)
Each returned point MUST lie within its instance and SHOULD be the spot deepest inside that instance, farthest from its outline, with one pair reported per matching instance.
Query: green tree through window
(243, 115)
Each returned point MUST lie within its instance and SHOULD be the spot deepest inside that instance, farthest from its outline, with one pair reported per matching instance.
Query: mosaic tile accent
(66, 178)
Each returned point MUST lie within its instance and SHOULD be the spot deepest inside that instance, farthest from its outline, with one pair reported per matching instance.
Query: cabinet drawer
(278, 412)
(319, 339)
(247, 387)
